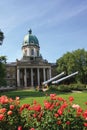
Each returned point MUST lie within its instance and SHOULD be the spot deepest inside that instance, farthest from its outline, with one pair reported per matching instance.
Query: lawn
(27, 96)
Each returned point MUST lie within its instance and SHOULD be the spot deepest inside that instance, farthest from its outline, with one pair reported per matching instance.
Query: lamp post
(1, 37)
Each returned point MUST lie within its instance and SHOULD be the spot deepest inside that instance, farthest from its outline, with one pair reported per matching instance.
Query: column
(32, 84)
(18, 77)
(25, 78)
(38, 76)
(44, 75)
(49, 73)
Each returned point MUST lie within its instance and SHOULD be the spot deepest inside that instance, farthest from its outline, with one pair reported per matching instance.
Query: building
(31, 70)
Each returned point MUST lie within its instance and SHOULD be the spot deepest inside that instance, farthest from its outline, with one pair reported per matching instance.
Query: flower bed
(56, 114)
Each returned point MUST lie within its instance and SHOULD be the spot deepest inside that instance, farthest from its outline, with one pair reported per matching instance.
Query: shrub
(56, 114)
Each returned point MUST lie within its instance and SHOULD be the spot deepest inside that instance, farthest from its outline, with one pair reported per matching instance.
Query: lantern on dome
(1, 37)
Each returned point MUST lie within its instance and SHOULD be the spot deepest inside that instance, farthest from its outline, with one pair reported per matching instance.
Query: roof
(30, 39)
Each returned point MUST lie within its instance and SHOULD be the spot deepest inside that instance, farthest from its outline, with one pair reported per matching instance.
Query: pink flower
(76, 106)
(11, 107)
(17, 98)
(9, 112)
(32, 129)
(3, 99)
(1, 117)
(20, 128)
(85, 124)
(2, 110)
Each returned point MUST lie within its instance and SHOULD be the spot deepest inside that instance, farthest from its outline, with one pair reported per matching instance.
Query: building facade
(31, 70)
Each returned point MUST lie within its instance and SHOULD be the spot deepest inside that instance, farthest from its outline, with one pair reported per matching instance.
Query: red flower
(64, 105)
(34, 115)
(79, 111)
(57, 104)
(68, 122)
(56, 115)
(85, 114)
(32, 129)
(34, 102)
(85, 124)
(86, 103)
(60, 99)
(1, 117)
(20, 128)
(60, 112)
(53, 96)
(47, 104)
(3, 99)
(71, 99)
(2, 110)
(11, 107)
(37, 108)
(59, 122)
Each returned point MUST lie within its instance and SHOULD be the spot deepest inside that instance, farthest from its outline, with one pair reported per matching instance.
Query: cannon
(50, 80)
(64, 78)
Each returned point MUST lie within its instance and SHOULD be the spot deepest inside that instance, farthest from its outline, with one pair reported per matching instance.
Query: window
(32, 52)
(37, 53)
(25, 53)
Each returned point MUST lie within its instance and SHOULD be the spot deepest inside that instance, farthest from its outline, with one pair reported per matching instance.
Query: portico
(32, 76)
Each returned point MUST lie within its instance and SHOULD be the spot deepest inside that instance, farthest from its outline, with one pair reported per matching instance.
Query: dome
(30, 39)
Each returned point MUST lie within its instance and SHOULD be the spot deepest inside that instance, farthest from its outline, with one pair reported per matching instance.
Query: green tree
(2, 70)
(72, 62)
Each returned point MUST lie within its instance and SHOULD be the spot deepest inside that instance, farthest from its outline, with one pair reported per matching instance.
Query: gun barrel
(57, 76)
(66, 77)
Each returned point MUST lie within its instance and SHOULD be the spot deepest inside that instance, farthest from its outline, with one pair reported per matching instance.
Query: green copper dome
(30, 39)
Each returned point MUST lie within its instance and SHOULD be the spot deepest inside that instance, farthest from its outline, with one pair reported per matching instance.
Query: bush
(68, 88)
(56, 114)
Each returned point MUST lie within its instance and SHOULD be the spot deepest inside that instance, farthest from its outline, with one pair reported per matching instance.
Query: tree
(72, 62)
(2, 70)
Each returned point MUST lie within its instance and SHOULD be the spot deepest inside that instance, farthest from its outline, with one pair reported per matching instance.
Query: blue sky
(60, 26)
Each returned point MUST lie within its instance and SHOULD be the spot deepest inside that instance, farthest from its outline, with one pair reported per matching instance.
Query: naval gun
(64, 78)
(51, 79)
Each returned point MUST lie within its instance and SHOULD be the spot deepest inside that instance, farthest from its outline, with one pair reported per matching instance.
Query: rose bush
(55, 114)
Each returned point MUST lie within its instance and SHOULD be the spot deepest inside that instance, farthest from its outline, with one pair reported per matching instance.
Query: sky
(59, 25)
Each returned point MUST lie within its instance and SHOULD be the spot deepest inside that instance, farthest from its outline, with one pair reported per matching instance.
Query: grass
(27, 96)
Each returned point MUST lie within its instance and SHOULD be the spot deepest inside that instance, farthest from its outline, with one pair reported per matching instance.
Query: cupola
(30, 46)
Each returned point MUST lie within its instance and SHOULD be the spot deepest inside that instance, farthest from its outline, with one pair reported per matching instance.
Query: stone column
(44, 75)
(49, 73)
(38, 76)
(25, 78)
(18, 77)
(32, 84)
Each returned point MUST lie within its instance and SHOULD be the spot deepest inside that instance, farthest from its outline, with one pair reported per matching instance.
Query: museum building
(31, 70)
